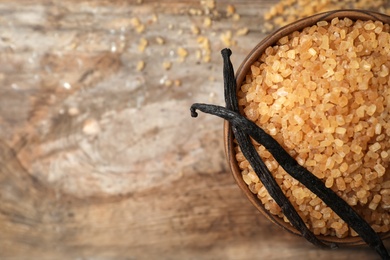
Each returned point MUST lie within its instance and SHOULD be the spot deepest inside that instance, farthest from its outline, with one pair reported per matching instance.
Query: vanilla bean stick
(243, 129)
(257, 163)
(290, 165)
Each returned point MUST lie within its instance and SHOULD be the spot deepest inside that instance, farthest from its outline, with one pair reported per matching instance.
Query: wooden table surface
(101, 159)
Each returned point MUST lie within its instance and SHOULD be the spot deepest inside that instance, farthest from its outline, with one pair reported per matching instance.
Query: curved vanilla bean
(290, 165)
(243, 128)
(259, 167)
(229, 82)
(274, 190)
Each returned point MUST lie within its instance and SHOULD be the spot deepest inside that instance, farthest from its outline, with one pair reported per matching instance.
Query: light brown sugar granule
(207, 22)
(195, 30)
(160, 40)
(140, 65)
(227, 39)
(288, 11)
(230, 10)
(137, 25)
(182, 53)
(324, 95)
(242, 31)
(143, 43)
(167, 65)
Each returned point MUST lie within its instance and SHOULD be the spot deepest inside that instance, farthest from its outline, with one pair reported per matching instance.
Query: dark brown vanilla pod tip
(332, 71)
(226, 52)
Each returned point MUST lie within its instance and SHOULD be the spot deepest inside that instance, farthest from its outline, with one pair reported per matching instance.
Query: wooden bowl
(244, 69)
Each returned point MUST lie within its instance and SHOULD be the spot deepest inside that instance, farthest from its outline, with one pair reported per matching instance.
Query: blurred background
(99, 156)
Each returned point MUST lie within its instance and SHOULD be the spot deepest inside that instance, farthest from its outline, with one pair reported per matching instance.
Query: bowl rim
(241, 73)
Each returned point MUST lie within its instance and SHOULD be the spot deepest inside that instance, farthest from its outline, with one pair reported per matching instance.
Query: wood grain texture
(101, 161)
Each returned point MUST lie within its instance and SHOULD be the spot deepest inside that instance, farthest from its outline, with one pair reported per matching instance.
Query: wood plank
(101, 161)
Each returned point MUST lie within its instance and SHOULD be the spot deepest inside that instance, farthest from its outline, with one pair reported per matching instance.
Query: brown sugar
(323, 94)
